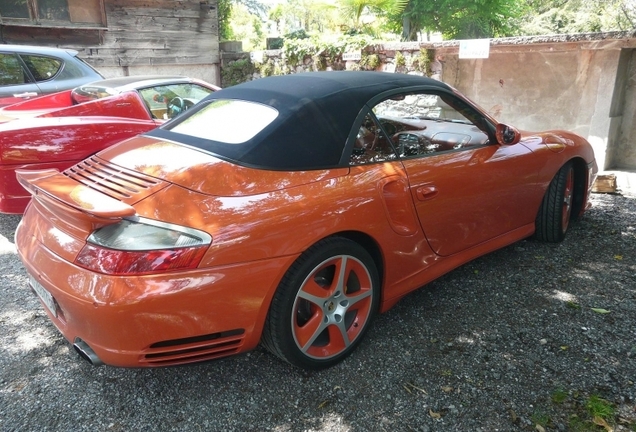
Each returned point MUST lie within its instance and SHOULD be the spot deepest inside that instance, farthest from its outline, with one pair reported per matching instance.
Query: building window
(53, 12)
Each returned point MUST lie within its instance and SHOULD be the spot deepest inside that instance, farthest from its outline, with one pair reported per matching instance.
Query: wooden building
(122, 37)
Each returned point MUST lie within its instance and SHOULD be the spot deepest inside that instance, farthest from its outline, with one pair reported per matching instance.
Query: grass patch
(559, 396)
(540, 418)
(581, 413)
(599, 407)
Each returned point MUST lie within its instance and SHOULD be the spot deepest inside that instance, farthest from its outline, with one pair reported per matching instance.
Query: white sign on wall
(474, 48)
(353, 55)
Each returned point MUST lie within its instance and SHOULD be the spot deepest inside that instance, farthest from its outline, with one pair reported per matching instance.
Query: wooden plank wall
(139, 33)
(157, 32)
(53, 37)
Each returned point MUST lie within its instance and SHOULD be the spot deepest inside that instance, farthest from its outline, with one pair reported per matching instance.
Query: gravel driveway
(532, 337)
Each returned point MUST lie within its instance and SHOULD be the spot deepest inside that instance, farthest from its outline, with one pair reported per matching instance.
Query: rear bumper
(153, 320)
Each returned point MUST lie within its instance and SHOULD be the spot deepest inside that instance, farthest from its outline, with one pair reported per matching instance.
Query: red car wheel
(324, 305)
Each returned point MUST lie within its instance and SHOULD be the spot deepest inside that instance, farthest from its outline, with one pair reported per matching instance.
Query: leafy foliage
(458, 19)
(225, 15)
(309, 15)
(455, 19)
(370, 61)
(578, 16)
(254, 7)
(248, 28)
(237, 72)
(354, 9)
(268, 68)
(296, 50)
(297, 34)
(275, 43)
(224, 9)
(464, 19)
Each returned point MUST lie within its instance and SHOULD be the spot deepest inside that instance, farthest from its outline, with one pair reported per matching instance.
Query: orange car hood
(202, 172)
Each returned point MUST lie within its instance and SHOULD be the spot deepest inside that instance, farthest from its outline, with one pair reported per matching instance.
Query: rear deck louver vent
(112, 180)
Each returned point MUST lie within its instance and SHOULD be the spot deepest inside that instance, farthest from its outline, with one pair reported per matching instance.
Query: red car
(286, 211)
(61, 129)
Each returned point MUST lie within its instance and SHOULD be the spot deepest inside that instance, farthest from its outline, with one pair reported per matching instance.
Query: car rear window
(228, 121)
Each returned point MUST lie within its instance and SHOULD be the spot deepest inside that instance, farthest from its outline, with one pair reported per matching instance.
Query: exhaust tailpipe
(86, 352)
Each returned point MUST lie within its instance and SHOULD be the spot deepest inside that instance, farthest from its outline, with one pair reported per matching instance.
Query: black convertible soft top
(316, 113)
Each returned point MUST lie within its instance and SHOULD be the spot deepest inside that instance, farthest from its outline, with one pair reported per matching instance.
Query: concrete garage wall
(566, 85)
(621, 153)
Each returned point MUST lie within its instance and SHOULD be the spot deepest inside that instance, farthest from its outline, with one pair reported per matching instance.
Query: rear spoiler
(61, 194)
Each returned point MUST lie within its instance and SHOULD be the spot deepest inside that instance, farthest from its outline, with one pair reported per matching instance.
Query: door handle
(25, 94)
(426, 192)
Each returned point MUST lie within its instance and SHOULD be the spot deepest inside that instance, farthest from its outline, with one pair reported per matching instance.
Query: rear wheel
(324, 305)
(555, 212)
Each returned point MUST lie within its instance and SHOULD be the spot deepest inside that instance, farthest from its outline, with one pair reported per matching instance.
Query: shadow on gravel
(8, 225)
(487, 347)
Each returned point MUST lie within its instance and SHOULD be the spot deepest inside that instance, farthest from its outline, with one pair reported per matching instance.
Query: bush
(237, 72)
(297, 34)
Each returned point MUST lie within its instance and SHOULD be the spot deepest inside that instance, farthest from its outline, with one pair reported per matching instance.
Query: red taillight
(137, 246)
(122, 262)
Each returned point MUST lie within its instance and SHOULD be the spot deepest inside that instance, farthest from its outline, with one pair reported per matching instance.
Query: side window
(168, 101)
(42, 68)
(371, 144)
(11, 72)
(425, 123)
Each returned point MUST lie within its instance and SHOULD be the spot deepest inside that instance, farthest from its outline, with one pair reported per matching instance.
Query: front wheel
(324, 305)
(555, 212)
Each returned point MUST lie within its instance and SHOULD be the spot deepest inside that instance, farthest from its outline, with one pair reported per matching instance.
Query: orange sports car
(286, 211)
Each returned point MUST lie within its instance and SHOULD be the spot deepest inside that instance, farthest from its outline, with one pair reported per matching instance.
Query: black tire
(319, 314)
(555, 212)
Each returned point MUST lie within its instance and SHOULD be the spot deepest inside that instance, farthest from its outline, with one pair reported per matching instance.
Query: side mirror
(507, 135)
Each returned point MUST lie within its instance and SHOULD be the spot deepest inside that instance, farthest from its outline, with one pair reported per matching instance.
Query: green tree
(309, 15)
(277, 14)
(458, 19)
(247, 27)
(578, 16)
(224, 13)
(354, 9)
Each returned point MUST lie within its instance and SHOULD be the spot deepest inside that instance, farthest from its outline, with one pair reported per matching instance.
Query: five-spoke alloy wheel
(323, 305)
